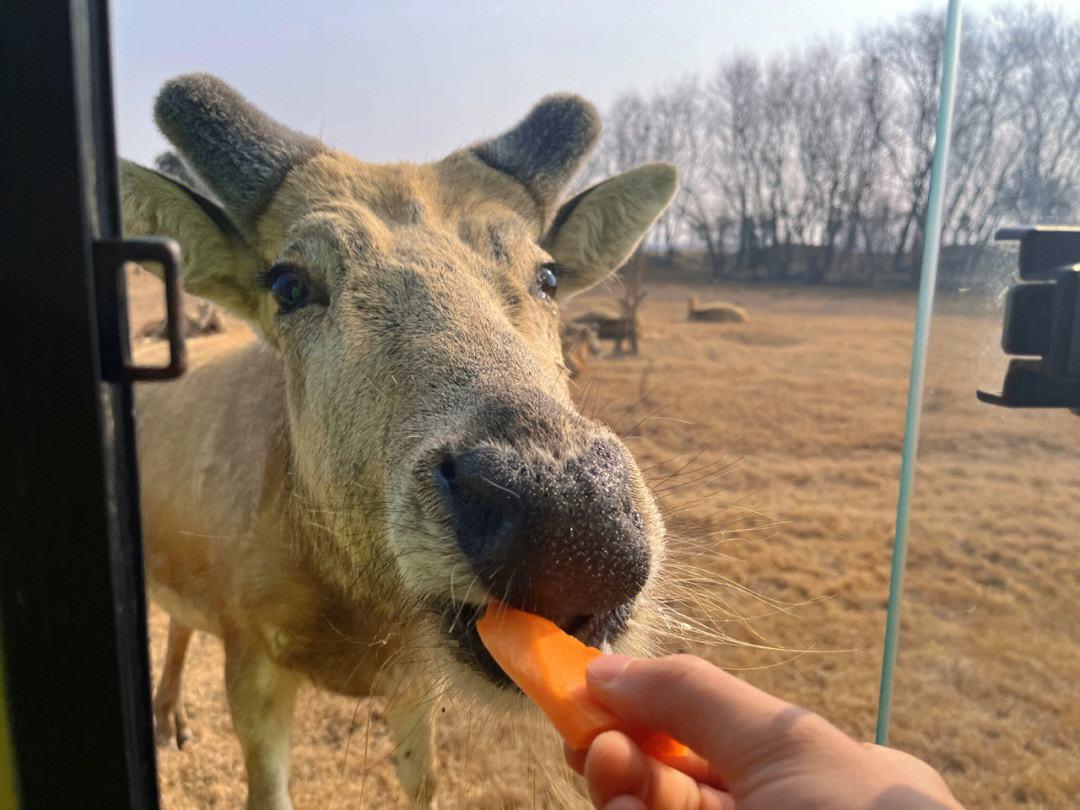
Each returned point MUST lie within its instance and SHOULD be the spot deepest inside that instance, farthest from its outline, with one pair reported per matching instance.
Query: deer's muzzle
(561, 538)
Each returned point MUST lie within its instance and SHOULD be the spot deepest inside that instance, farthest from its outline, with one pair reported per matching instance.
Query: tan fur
(715, 312)
(280, 508)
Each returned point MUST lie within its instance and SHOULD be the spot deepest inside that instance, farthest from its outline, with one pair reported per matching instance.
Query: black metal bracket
(1042, 322)
(109, 258)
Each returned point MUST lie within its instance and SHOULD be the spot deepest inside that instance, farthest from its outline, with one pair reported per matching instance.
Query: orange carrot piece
(549, 666)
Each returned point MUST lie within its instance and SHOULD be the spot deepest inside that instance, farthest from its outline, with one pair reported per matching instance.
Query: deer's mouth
(459, 624)
(458, 621)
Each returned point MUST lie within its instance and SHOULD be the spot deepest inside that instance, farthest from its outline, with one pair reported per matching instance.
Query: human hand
(757, 752)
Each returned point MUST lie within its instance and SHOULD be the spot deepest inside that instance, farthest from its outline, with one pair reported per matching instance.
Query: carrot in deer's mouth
(549, 665)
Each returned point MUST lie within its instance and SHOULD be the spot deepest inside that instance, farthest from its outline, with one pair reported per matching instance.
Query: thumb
(734, 726)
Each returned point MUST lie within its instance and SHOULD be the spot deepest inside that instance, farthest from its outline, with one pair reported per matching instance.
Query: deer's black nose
(561, 539)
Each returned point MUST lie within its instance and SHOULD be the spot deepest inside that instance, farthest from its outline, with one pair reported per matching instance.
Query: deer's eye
(289, 290)
(547, 283)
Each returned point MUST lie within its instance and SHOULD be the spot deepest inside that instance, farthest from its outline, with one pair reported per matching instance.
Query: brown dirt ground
(775, 448)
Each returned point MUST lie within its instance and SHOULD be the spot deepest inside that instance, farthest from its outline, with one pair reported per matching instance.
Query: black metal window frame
(72, 605)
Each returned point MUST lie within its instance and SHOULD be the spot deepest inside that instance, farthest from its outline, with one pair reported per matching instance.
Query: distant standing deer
(616, 328)
(338, 500)
(627, 325)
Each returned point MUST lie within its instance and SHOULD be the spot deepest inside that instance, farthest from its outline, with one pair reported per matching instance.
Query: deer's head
(415, 309)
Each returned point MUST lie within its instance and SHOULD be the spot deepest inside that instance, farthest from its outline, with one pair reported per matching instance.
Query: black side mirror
(1042, 321)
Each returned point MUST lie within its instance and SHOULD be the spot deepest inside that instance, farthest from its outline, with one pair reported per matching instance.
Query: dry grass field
(775, 448)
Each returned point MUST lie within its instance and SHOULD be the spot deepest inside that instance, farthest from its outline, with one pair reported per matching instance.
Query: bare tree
(801, 165)
(776, 152)
(1042, 183)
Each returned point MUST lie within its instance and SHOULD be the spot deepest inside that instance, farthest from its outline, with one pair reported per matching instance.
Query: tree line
(815, 165)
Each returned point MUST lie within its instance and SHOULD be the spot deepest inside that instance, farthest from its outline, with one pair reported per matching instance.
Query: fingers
(696, 768)
(618, 773)
(690, 763)
(734, 726)
(753, 744)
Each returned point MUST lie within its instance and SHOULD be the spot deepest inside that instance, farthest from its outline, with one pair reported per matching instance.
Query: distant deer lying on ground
(338, 500)
(205, 320)
(715, 312)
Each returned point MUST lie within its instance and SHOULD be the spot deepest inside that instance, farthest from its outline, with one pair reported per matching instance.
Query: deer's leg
(170, 717)
(261, 700)
(412, 729)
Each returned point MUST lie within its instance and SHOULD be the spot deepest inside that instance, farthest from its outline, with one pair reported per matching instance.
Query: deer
(627, 325)
(204, 320)
(716, 312)
(338, 499)
(579, 346)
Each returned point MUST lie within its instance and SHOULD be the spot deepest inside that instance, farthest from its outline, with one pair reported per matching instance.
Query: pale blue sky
(413, 80)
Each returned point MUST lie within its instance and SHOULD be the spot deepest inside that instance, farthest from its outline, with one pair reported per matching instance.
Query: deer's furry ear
(594, 233)
(236, 149)
(545, 150)
(218, 263)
